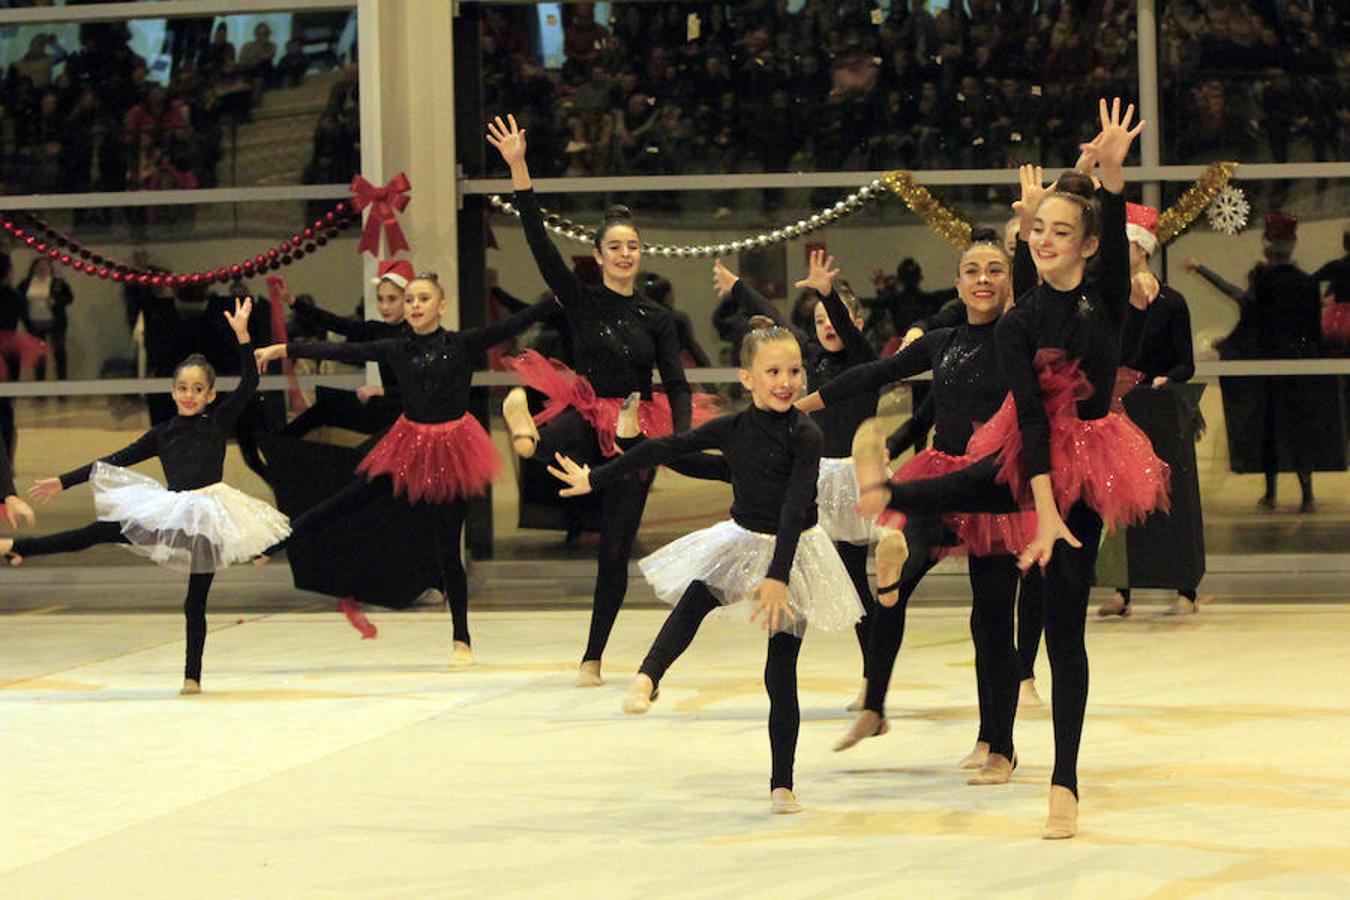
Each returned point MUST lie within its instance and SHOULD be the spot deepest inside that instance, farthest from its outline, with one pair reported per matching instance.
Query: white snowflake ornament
(1229, 210)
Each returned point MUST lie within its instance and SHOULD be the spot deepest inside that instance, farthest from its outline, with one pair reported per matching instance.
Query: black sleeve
(557, 274)
(857, 349)
(1016, 345)
(351, 352)
(7, 488)
(753, 303)
(229, 410)
(952, 313)
(484, 336)
(685, 330)
(61, 293)
(672, 374)
(509, 302)
(1113, 277)
(143, 448)
(1024, 270)
(807, 442)
(917, 424)
(1227, 287)
(916, 358)
(705, 466)
(352, 329)
(652, 453)
(1183, 350)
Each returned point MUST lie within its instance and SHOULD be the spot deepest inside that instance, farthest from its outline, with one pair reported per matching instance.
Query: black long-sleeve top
(840, 421)
(190, 448)
(616, 341)
(356, 330)
(1086, 323)
(1157, 340)
(774, 459)
(7, 488)
(967, 384)
(434, 370)
(684, 331)
(1338, 273)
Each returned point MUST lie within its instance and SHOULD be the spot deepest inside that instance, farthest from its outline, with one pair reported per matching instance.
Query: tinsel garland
(1178, 217)
(921, 201)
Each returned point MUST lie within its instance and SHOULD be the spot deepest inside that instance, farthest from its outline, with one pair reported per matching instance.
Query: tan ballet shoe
(461, 657)
(519, 423)
(783, 802)
(997, 769)
(869, 454)
(867, 725)
(858, 703)
(640, 696)
(588, 675)
(191, 686)
(976, 758)
(892, 551)
(1027, 697)
(1062, 823)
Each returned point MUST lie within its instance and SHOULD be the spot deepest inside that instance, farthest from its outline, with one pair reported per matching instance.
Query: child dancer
(1054, 443)
(197, 525)
(772, 549)
(616, 341)
(437, 454)
(838, 346)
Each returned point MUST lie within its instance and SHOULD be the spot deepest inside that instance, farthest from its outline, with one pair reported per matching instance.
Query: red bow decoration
(276, 292)
(384, 203)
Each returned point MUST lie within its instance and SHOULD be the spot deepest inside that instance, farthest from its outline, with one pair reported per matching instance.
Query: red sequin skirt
(435, 463)
(21, 346)
(980, 534)
(564, 388)
(1336, 323)
(1108, 463)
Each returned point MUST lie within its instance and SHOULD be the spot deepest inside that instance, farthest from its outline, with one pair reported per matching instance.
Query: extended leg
(780, 680)
(194, 614)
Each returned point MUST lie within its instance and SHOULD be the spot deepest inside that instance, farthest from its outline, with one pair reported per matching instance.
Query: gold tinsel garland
(922, 202)
(1191, 204)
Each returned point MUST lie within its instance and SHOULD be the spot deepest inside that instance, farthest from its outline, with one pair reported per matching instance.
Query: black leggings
(780, 673)
(1068, 579)
(444, 521)
(854, 557)
(621, 506)
(194, 604)
(1030, 621)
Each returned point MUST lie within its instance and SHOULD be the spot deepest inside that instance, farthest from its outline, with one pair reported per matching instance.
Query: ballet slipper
(869, 455)
(520, 424)
(1116, 606)
(783, 802)
(976, 758)
(892, 551)
(191, 686)
(261, 559)
(14, 559)
(640, 696)
(997, 769)
(1027, 695)
(1181, 607)
(350, 608)
(627, 425)
(461, 657)
(1062, 822)
(858, 703)
(869, 724)
(588, 675)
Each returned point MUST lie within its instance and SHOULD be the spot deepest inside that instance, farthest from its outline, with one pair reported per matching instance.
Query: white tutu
(732, 561)
(203, 530)
(837, 502)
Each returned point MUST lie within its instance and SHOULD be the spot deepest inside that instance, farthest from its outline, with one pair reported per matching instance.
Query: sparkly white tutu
(837, 502)
(203, 530)
(732, 560)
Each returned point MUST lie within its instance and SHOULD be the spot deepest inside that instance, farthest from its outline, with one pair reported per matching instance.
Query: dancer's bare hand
(1049, 530)
(18, 511)
(508, 138)
(1144, 289)
(1161, 381)
(773, 605)
(577, 477)
(263, 356)
(820, 273)
(723, 279)
(1112, 145)
(366, 391)
(1034, 190)
(45, 489)
(239, 318)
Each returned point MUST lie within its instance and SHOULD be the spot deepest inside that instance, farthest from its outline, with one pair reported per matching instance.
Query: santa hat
(399, 271)
(1141, 226)
(1281, 226)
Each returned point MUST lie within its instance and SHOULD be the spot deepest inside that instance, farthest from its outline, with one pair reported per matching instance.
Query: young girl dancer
(838, 346)
(616, 341)
(197, 525)
(436, 454)
(772, 549)
(1054, 444)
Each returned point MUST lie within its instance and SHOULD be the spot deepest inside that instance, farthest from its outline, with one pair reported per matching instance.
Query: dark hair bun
(618, 212)
(1075, 182)
(760, 322)
(985, 235)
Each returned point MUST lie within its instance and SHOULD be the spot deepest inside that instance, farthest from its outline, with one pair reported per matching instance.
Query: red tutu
(1336, 323)
(565, 388)
(981, 534)
(436, 463)
(21, 346)
(1108, 463)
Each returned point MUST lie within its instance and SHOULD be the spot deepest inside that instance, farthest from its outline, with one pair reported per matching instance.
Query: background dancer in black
(771, 551)
(199, 525)
(437, 454)
(1055, 444)
(16, 509)
(616, 342)
(836, 347)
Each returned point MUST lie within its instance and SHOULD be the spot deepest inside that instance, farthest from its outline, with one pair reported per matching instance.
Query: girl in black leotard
(616, 342)
(199, 525)
(437, 454)
(771, 551)
(1055, 445)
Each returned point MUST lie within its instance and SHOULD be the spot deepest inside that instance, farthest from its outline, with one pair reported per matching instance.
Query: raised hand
(1034, 190)
(723, 279)
(1112, 145)
(17, 511)
(239, 318)
(508, 138)
(773, 605)
(264, 355)
(577, 478)
(820, 273)
(45, 489)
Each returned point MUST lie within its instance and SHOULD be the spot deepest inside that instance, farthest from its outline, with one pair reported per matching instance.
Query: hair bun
(618, 211)
(1075, 182)
(985, 235)
(760, 322)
